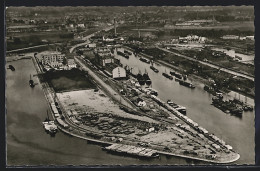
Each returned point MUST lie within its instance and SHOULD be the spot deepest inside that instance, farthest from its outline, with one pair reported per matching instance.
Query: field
(68, 80)
(24, 40)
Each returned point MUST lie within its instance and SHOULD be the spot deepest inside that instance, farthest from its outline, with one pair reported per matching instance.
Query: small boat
(154, 69)
(49, 125)
(11, 67)
(31, 82)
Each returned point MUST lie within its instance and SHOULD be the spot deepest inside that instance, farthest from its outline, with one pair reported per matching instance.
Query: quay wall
(49, 99)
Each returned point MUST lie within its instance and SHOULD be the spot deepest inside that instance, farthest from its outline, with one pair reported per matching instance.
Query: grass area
(68, 80)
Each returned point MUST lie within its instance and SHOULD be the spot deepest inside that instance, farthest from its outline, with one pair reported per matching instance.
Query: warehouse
(119, 73)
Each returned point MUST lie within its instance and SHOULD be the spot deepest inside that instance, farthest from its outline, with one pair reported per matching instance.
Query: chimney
(115, 26)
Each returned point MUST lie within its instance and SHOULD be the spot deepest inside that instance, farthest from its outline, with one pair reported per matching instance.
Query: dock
(132, 150)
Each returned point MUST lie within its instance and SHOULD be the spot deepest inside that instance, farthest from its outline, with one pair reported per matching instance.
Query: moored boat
(179, 108)
(186, 84)
(154, 69)
(147, 78)
(177, 75)
(123, 54)
(31, 82)
(11, 67)
(144, 60)
(167, 76)
(49, 125)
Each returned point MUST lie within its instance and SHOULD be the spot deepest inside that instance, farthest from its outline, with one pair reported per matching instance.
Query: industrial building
(71, 64)
(103, 56)
(53, 59)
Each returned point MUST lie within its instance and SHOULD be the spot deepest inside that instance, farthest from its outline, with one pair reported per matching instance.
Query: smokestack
(115, 26)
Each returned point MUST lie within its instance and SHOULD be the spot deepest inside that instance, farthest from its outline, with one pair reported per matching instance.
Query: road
(211, 65)
(16, 50)
(87, 39)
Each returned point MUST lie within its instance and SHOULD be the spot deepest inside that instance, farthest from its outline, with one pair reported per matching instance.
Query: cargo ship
(227, 106)
(31, 82)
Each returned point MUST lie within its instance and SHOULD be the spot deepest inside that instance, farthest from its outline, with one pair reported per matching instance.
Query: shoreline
(160, 152)
(49, 98)
(198, 78)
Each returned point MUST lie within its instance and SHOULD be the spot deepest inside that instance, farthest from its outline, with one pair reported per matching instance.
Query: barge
(186, 84)
(167, 76)
(132, 150)
(123, 54)
(227, 106)
(177, 75)
(144, 60)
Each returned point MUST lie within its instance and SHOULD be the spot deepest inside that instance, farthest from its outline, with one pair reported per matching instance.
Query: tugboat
(31, 82)
(11, 67)
(49, 126)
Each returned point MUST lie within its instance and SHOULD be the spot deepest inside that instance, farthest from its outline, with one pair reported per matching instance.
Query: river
(28, 144)
(238, 132)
